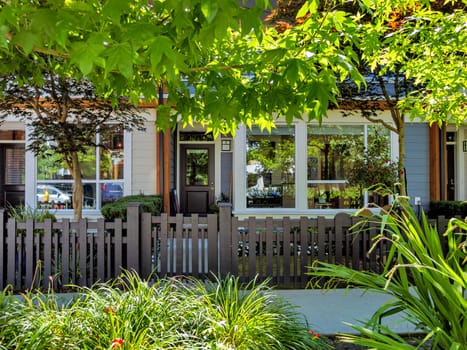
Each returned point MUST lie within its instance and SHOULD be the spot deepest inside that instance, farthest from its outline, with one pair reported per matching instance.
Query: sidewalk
(326, 312)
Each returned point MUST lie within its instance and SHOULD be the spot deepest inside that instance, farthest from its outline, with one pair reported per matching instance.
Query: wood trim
(158, 162)
(166, 178)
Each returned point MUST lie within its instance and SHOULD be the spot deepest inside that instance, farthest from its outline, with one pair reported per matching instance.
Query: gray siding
(417, 162)
(226, 172)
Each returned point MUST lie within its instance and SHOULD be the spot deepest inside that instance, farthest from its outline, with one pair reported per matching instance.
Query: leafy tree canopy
(424, 41)
(220, 65)
(222, 68)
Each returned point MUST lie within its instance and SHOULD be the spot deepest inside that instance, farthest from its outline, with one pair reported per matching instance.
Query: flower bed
(169, 314)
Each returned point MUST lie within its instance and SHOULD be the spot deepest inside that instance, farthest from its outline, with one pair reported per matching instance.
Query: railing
(58, 254)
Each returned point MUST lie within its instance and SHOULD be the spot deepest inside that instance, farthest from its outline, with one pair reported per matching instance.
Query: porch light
(464, 145)
(226, 145)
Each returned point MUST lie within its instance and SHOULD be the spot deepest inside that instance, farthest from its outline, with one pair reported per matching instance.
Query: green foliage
(252, 317)
(23, 213)
(165, 314)
(117, 209)
(425, 283)
(243, 72)
(448, 209)
(221, 47)
(426, 46)
(374, 167)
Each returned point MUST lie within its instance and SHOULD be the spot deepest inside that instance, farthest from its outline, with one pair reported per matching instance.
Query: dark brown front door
(11, 175)
(196, 178)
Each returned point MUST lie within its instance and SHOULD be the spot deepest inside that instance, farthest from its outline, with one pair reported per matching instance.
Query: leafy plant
(23, 213)
(447, 208)
(129, 313)
(374, 165)
(252, 317)
(425, 283)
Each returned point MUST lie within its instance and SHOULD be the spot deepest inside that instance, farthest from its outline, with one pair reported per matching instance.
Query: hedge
(117, 209)
(448, 209)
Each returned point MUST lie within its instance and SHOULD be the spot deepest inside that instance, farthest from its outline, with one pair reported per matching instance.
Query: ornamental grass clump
(130, 313)
(426, 277)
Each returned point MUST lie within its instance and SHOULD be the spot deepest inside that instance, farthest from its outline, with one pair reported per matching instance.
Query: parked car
(111, 192)
(51, 194)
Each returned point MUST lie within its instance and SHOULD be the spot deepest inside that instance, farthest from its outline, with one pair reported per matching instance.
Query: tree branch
(382, 122)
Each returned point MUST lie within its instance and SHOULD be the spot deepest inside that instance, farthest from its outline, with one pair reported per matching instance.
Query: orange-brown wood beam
(158, 162)
(166, 160)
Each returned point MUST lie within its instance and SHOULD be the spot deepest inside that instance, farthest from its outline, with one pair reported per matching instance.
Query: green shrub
(117, 209)
(23, 213)
(426, 284)
(448, 209)
(165, 314)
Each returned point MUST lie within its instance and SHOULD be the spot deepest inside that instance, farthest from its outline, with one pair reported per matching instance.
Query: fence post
(11, 252)
(225, 238)
(2, 249)
(133, 212)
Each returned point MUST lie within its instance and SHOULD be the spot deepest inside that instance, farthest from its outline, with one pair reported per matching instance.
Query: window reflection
(332, 152)
(271, 168)
(100, 170)
(112, 158)
(197, 167)
(54, 196)
(51, 166)
(111, 191)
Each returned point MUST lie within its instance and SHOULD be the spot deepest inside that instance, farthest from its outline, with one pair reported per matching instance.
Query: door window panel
(197, 167)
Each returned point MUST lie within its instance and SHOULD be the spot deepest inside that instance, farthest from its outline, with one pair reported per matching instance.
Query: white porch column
(301, 165)
(30, 173)
(239, 169)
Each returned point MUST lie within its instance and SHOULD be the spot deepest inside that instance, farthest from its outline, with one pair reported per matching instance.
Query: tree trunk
(78, 187)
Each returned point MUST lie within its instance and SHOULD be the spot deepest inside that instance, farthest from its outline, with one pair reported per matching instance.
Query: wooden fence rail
(57, 254)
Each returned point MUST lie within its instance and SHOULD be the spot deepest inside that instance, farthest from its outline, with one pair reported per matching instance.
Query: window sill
(262, 213)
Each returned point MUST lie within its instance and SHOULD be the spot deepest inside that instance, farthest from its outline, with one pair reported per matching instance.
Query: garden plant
(426, 277)
(175, 313)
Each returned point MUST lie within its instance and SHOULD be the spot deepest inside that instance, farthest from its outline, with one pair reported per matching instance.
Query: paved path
(328, 311)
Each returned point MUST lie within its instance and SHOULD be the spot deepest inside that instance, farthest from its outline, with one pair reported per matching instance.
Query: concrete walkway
(327, 312)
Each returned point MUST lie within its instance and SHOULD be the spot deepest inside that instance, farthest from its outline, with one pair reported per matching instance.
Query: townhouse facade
(302, 169)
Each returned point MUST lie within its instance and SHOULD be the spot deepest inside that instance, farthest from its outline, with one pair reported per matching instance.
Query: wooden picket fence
(59, 254)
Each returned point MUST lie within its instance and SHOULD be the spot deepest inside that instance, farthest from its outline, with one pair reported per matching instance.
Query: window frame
(126, 181)
(301, 181)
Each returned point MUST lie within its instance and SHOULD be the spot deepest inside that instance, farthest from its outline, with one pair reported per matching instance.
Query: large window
(102, 172)
(329, 157)
(338, 164)
(271, 168)
(314, 167)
